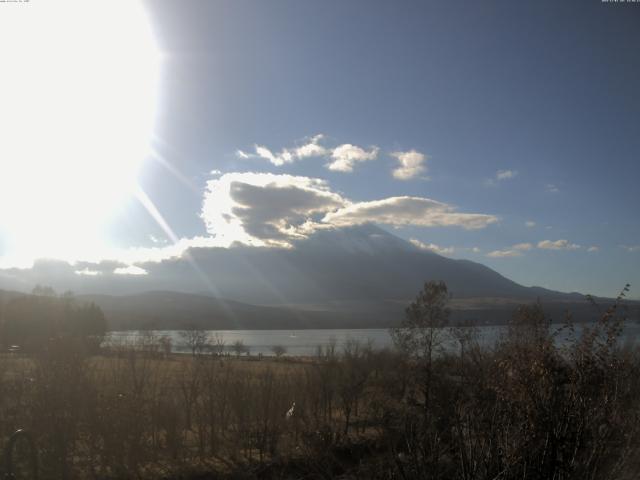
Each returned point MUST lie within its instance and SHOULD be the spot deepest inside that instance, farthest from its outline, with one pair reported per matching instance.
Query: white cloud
(631, 248)
(401, 211)
(131, 256)
(557, 245)
(593, 248)
(475, 250)
(514, 251)
(342, 158)
(500, 176)
(346, 156)
(530, 224)
(504, 253)
(311, 148)
(105, 260)
(505, 174)
(432, 247)
(411, 164)
(130, 270)
(88, 272)
(278, 160)
(551, 188)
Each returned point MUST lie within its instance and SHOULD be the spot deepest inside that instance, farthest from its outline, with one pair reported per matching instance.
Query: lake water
(306, 342)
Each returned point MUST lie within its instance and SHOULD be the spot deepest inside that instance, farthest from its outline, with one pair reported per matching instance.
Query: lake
(305, 342)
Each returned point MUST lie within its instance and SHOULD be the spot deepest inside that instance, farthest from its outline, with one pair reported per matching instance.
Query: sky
(507, 133)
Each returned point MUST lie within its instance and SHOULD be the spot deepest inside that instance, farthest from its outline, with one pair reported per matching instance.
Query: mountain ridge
(354, 277)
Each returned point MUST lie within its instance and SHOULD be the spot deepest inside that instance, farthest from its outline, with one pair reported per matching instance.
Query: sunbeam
(151, 208)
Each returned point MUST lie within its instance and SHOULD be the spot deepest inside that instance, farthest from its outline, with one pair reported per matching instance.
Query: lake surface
(306, 342)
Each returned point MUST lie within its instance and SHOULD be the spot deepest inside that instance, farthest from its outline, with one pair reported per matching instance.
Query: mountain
(352, 277)
(352, 264)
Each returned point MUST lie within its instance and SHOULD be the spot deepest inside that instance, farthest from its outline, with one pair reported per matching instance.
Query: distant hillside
(173, 310)
(6, 296)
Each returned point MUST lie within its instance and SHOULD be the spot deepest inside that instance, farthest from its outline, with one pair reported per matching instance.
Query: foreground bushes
(531, 407)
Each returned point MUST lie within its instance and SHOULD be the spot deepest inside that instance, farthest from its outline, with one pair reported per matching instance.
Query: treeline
(29, 322)
(528, 408)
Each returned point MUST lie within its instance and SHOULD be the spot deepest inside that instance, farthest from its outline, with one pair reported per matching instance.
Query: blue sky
(527, 112)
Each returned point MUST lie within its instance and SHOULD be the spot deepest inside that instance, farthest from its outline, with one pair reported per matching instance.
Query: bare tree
(466, 335)
(353, 374)
(239, 348)
(165, 345)
(219, 343)
(196, 339)
(423, 331)
(278, 350)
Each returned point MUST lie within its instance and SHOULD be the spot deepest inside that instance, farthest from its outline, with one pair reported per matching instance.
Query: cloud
(411, 164)
(514, 251)
(517, 249)
(156, 254)
(402, 211)
(500, 176)
(530, 224)
(551, 188)
(264, 209)
(432, 247)
(130, 270)
(504, 253)
(342, 158)
(505, 174)
(346, 156)
(88, 272)
(631, 248)
(311, 148)
(278, 211)
(593, 248)
(118, 260)
(156, 240)
(271, 210)
(557, 245)
(278, 160)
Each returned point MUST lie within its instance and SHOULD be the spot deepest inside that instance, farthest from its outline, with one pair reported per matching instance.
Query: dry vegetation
(526, 409)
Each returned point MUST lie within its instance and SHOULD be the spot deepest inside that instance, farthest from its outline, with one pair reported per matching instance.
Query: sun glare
(77, 105)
